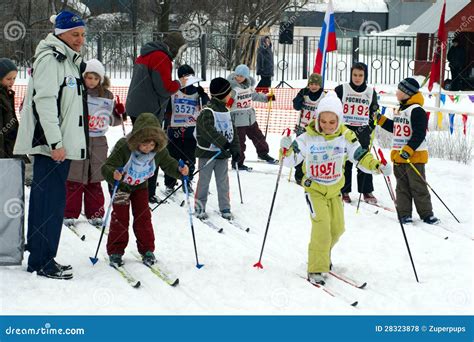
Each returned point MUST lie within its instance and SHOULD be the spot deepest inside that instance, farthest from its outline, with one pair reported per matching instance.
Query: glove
(285, 142)
(404, 154)
(299, 130)
(122, 198)
(226, 147)
(119, 107)
(200, 91)
(235, 157)
(386, 169)
(271, 97)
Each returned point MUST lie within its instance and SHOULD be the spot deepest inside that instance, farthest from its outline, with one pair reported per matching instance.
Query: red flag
(441, 42)
(464, 122)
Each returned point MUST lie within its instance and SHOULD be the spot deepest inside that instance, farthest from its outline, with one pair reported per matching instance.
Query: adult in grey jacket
(152, 86)
(54, 129)
(265, 63)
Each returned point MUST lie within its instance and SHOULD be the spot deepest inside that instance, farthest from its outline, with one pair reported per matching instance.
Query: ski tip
(354, 304)
(258, 265)
(137, 284)
(362, 286)
(175, 283)
(83, 237)
(93, 260)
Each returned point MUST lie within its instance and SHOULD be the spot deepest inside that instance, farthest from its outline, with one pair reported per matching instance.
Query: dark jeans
(181, 147)
(46, 212)
(364, 180)
(265, 82)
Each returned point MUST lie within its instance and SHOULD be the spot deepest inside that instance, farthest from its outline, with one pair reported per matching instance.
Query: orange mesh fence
(281, 115)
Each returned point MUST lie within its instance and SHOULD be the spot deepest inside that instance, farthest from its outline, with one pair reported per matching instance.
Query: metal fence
(389, 58)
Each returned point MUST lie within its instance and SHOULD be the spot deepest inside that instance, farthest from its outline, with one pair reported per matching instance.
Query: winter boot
(346, 198)
(227, 214)
(69, 221)
(55, 273)
(370, 198)
(169, 190)
(153, 199)
(406, 219)
(268, 159)
(201, 214)
(245, 168)
(149, 258)
(316, 278)
(431, 220)
(96, 221)
(63, 267)
(115, 260)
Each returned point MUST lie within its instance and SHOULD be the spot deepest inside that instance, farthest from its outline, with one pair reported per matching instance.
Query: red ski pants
(142, 227)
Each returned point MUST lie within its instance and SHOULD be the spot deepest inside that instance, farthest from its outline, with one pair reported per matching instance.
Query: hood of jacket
(52, 44)
(262, 44)
(155, 46)
(313, 131)
(249, 82)
(147, 127)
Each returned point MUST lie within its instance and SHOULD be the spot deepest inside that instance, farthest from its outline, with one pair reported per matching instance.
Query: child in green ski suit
(324, 148)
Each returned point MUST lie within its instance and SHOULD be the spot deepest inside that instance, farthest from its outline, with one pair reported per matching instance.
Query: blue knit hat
(66, 21)
(242, 70)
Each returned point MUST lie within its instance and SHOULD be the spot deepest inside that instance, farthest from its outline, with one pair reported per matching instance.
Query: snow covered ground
(372, 249)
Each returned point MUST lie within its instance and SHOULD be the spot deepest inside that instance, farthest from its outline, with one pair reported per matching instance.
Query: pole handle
(286, 132)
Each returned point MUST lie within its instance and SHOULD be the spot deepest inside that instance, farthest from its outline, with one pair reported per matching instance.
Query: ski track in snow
(372, 250)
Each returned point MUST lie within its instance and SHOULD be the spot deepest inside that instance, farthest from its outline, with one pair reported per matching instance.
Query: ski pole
(424, 180)
(268, 113)
(387, 179)
(384, 162)
(190, 212)
(179, 187)
(238, 182)
(104, 223)
(259, 263)
(296, 131)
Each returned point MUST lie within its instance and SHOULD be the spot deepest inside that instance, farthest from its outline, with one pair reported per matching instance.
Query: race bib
(185, 110)
(139, 168)
(243, 98)
(324, 161)
(309, 111)
(356, 106)
(100, 115)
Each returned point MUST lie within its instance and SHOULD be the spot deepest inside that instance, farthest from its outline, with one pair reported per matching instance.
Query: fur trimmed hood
(147, 127)
(249, 82)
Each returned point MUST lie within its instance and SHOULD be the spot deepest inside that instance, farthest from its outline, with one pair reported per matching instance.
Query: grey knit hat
(409, 86)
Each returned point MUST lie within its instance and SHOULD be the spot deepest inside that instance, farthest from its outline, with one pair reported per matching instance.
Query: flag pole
(438, 98)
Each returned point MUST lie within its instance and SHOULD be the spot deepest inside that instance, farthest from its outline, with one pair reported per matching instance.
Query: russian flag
(327, 41)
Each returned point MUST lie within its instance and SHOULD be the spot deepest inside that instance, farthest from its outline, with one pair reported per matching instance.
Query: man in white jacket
(54, 129)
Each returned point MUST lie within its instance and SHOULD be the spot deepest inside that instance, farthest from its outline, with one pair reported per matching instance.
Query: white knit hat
(330, 103)
(94, 65)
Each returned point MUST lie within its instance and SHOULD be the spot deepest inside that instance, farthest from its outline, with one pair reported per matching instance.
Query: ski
(212, 225)
(348, 280)
(234, 223)
(76, 232)
(333, 293)
(380, 206)
(158, 271)
(261, 161)
(126, 275)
